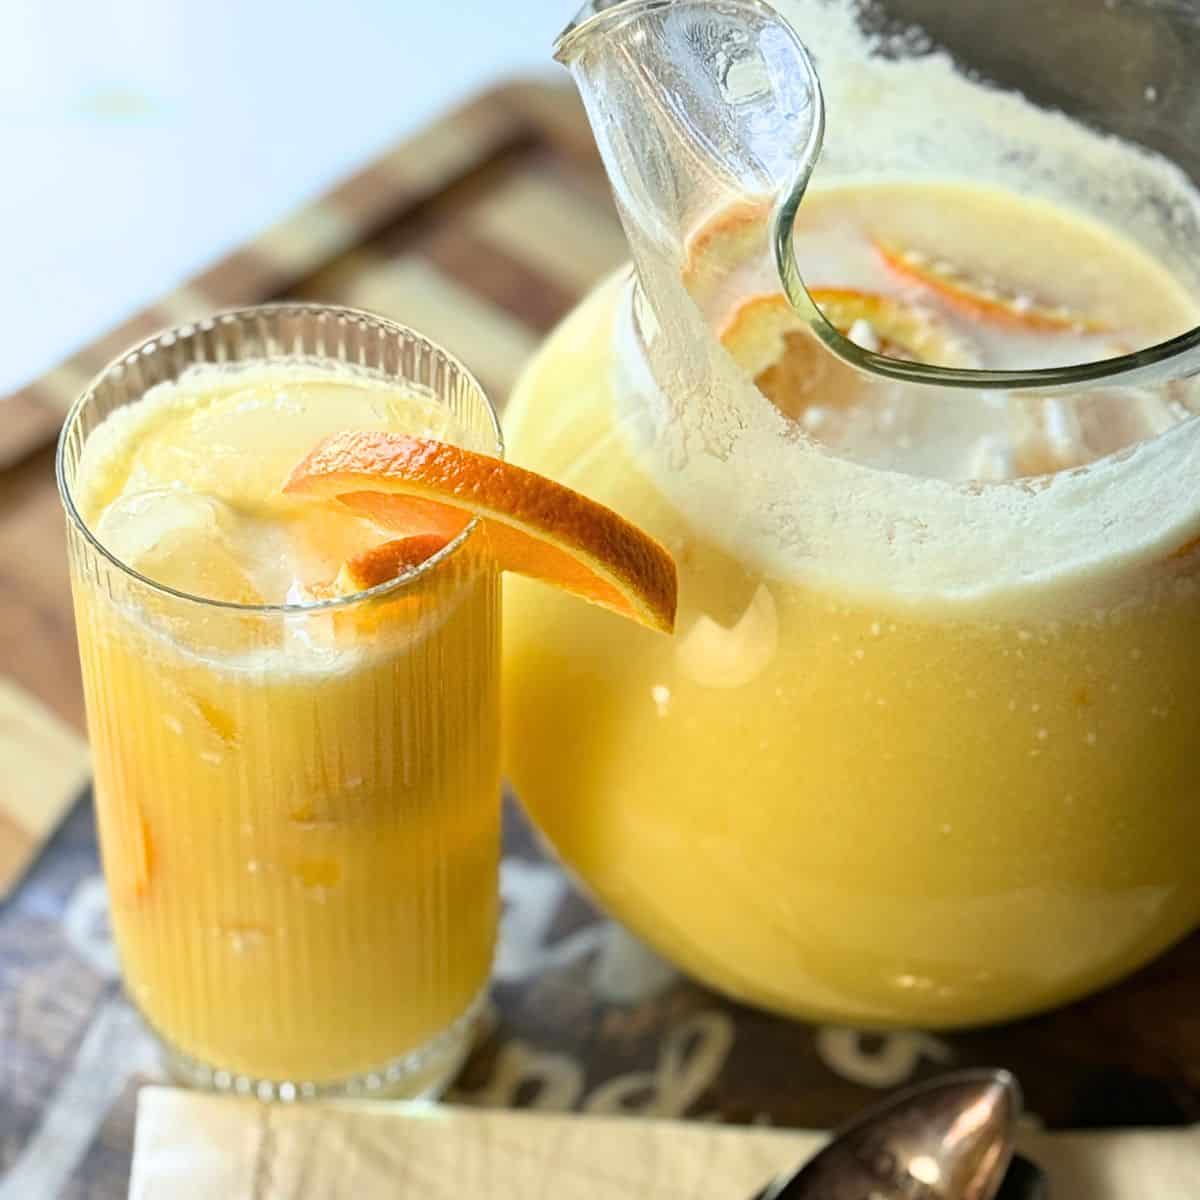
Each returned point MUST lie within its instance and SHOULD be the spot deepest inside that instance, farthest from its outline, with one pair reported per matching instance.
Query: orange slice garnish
(982, 300)
(533, 526)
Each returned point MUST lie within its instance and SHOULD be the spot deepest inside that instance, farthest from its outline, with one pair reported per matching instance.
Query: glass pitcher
(901, 376)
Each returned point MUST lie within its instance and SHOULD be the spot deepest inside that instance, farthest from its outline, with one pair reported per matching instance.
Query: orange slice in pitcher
(982, 300)
(533, 526)
(897, 329)
(769, 340)
(759, 333)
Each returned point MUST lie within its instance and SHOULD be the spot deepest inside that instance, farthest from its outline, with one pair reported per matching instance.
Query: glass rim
(230, 316)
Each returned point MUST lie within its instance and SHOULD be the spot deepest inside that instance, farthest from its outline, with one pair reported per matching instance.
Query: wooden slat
(37, 630)
(536, 218)
(27, 421)
(45, 767)
(64, 385)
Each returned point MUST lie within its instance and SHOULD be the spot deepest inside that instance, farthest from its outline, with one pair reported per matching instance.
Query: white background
(140, 139)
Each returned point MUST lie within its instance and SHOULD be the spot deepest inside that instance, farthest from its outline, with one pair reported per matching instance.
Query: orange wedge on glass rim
(982, 300)
(533, 526)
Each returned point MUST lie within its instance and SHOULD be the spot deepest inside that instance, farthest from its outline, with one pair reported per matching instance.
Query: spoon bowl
(948, 1139)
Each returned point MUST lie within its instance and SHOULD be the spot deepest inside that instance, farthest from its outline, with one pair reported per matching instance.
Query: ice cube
(180, 539)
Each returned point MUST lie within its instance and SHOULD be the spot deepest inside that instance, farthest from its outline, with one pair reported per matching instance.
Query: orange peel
(982, 301)
(386, 562)
(533, 526)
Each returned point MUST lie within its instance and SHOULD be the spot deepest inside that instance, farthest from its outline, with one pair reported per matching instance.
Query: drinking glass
(298, 805)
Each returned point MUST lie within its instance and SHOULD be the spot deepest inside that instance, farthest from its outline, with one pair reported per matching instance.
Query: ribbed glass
(298, 806)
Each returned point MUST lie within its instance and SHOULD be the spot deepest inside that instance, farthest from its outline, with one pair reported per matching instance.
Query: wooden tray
(481, 232)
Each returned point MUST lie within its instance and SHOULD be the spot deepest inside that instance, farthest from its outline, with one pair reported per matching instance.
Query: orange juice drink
(297, 789)
(924, 751)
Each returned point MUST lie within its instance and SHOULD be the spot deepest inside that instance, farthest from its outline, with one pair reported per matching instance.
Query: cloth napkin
(190, 1144)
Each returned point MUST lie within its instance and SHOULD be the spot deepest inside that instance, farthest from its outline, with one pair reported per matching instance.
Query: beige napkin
(194, 1145)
